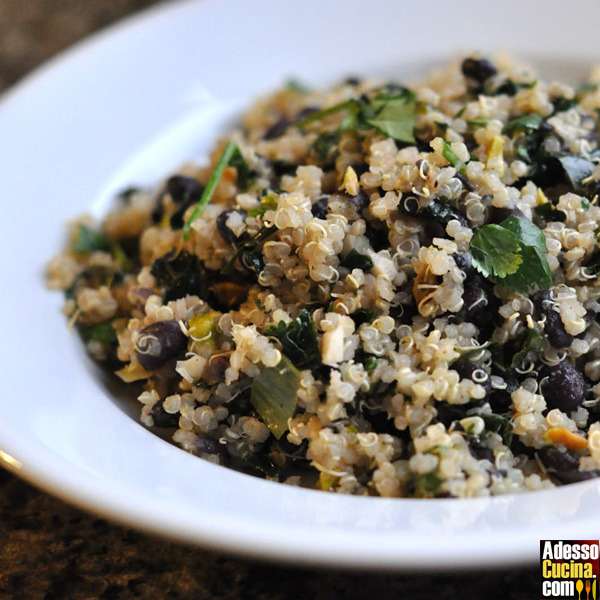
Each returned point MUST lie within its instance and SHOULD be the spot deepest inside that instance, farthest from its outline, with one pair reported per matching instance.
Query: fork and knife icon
(589, 585)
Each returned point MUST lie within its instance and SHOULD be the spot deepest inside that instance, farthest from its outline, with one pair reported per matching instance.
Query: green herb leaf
(299, 340)
(427, 485)
(394, 115)
(102, 332)
(496, 423)
(320, 114)
(496, 251)
(356, 260)
(549, 212)
(576, 169)
(510, 87)
(180, 273)
(274, 395)
(451, 157)
(89, 241)
(440, 210)
(247, 251)
(530, 341)
(228, 153)
(529, 122)
(513, 254)
(269, 202)
(534, 270)
(297, 86)
(371, 362)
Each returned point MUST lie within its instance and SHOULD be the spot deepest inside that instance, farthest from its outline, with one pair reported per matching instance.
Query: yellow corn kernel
(202, 328)
(541, 197)
(496, 151)
(350, 182)
(326, 481)
(560, 435)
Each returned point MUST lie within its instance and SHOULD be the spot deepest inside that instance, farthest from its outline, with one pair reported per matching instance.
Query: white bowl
(129, 105)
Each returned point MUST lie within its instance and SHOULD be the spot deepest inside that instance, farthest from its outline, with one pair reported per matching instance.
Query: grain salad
(370, 289)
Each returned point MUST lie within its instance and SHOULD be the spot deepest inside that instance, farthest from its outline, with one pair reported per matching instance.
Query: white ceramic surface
(127, 106)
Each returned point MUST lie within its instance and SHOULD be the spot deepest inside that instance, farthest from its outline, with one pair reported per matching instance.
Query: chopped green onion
(274, 395)
(228, 153)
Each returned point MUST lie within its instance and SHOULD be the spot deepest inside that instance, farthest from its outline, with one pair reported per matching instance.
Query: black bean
(558, 458)
(360, 167)
(377, 236)
(478, 69)
(226, 233)
(159, 342)
(161, 417)
(497, 215)
(319, 208)
(208, 445)
(564, 465)
(563, 386)
(475, 299)
(277, 129)
(475, 372)
(464, 261)
(184, 189)
(409, 205)
(465, 181)
(184, 192)
(479, 449)
(361, 200)
(554, 328)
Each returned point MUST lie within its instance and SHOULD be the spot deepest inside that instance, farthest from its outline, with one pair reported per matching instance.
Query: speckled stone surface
(51, 551)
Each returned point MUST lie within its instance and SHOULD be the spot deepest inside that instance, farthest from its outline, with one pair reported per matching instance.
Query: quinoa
(371, 289)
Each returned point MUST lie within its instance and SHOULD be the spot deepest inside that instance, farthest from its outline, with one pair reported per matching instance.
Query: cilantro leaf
(395, 115)
(512, 253)
(496, 251)
(534, 269)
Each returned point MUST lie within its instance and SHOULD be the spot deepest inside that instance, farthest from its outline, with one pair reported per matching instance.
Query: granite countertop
(51, 551)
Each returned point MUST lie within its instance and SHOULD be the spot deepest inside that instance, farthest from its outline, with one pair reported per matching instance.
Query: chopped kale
(427, 485)
(549, 212)
(356, 260)
(530, 341)
(576, 169)
(510, 87)
(361, 316)
(180, 273)
(298, 340)
(442, 211)
(249, 255)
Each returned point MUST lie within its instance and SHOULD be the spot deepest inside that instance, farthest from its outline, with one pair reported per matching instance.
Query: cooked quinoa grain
(370, 289)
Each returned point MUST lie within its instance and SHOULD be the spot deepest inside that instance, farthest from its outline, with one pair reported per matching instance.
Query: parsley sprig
(513, 254)
(392, 113)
